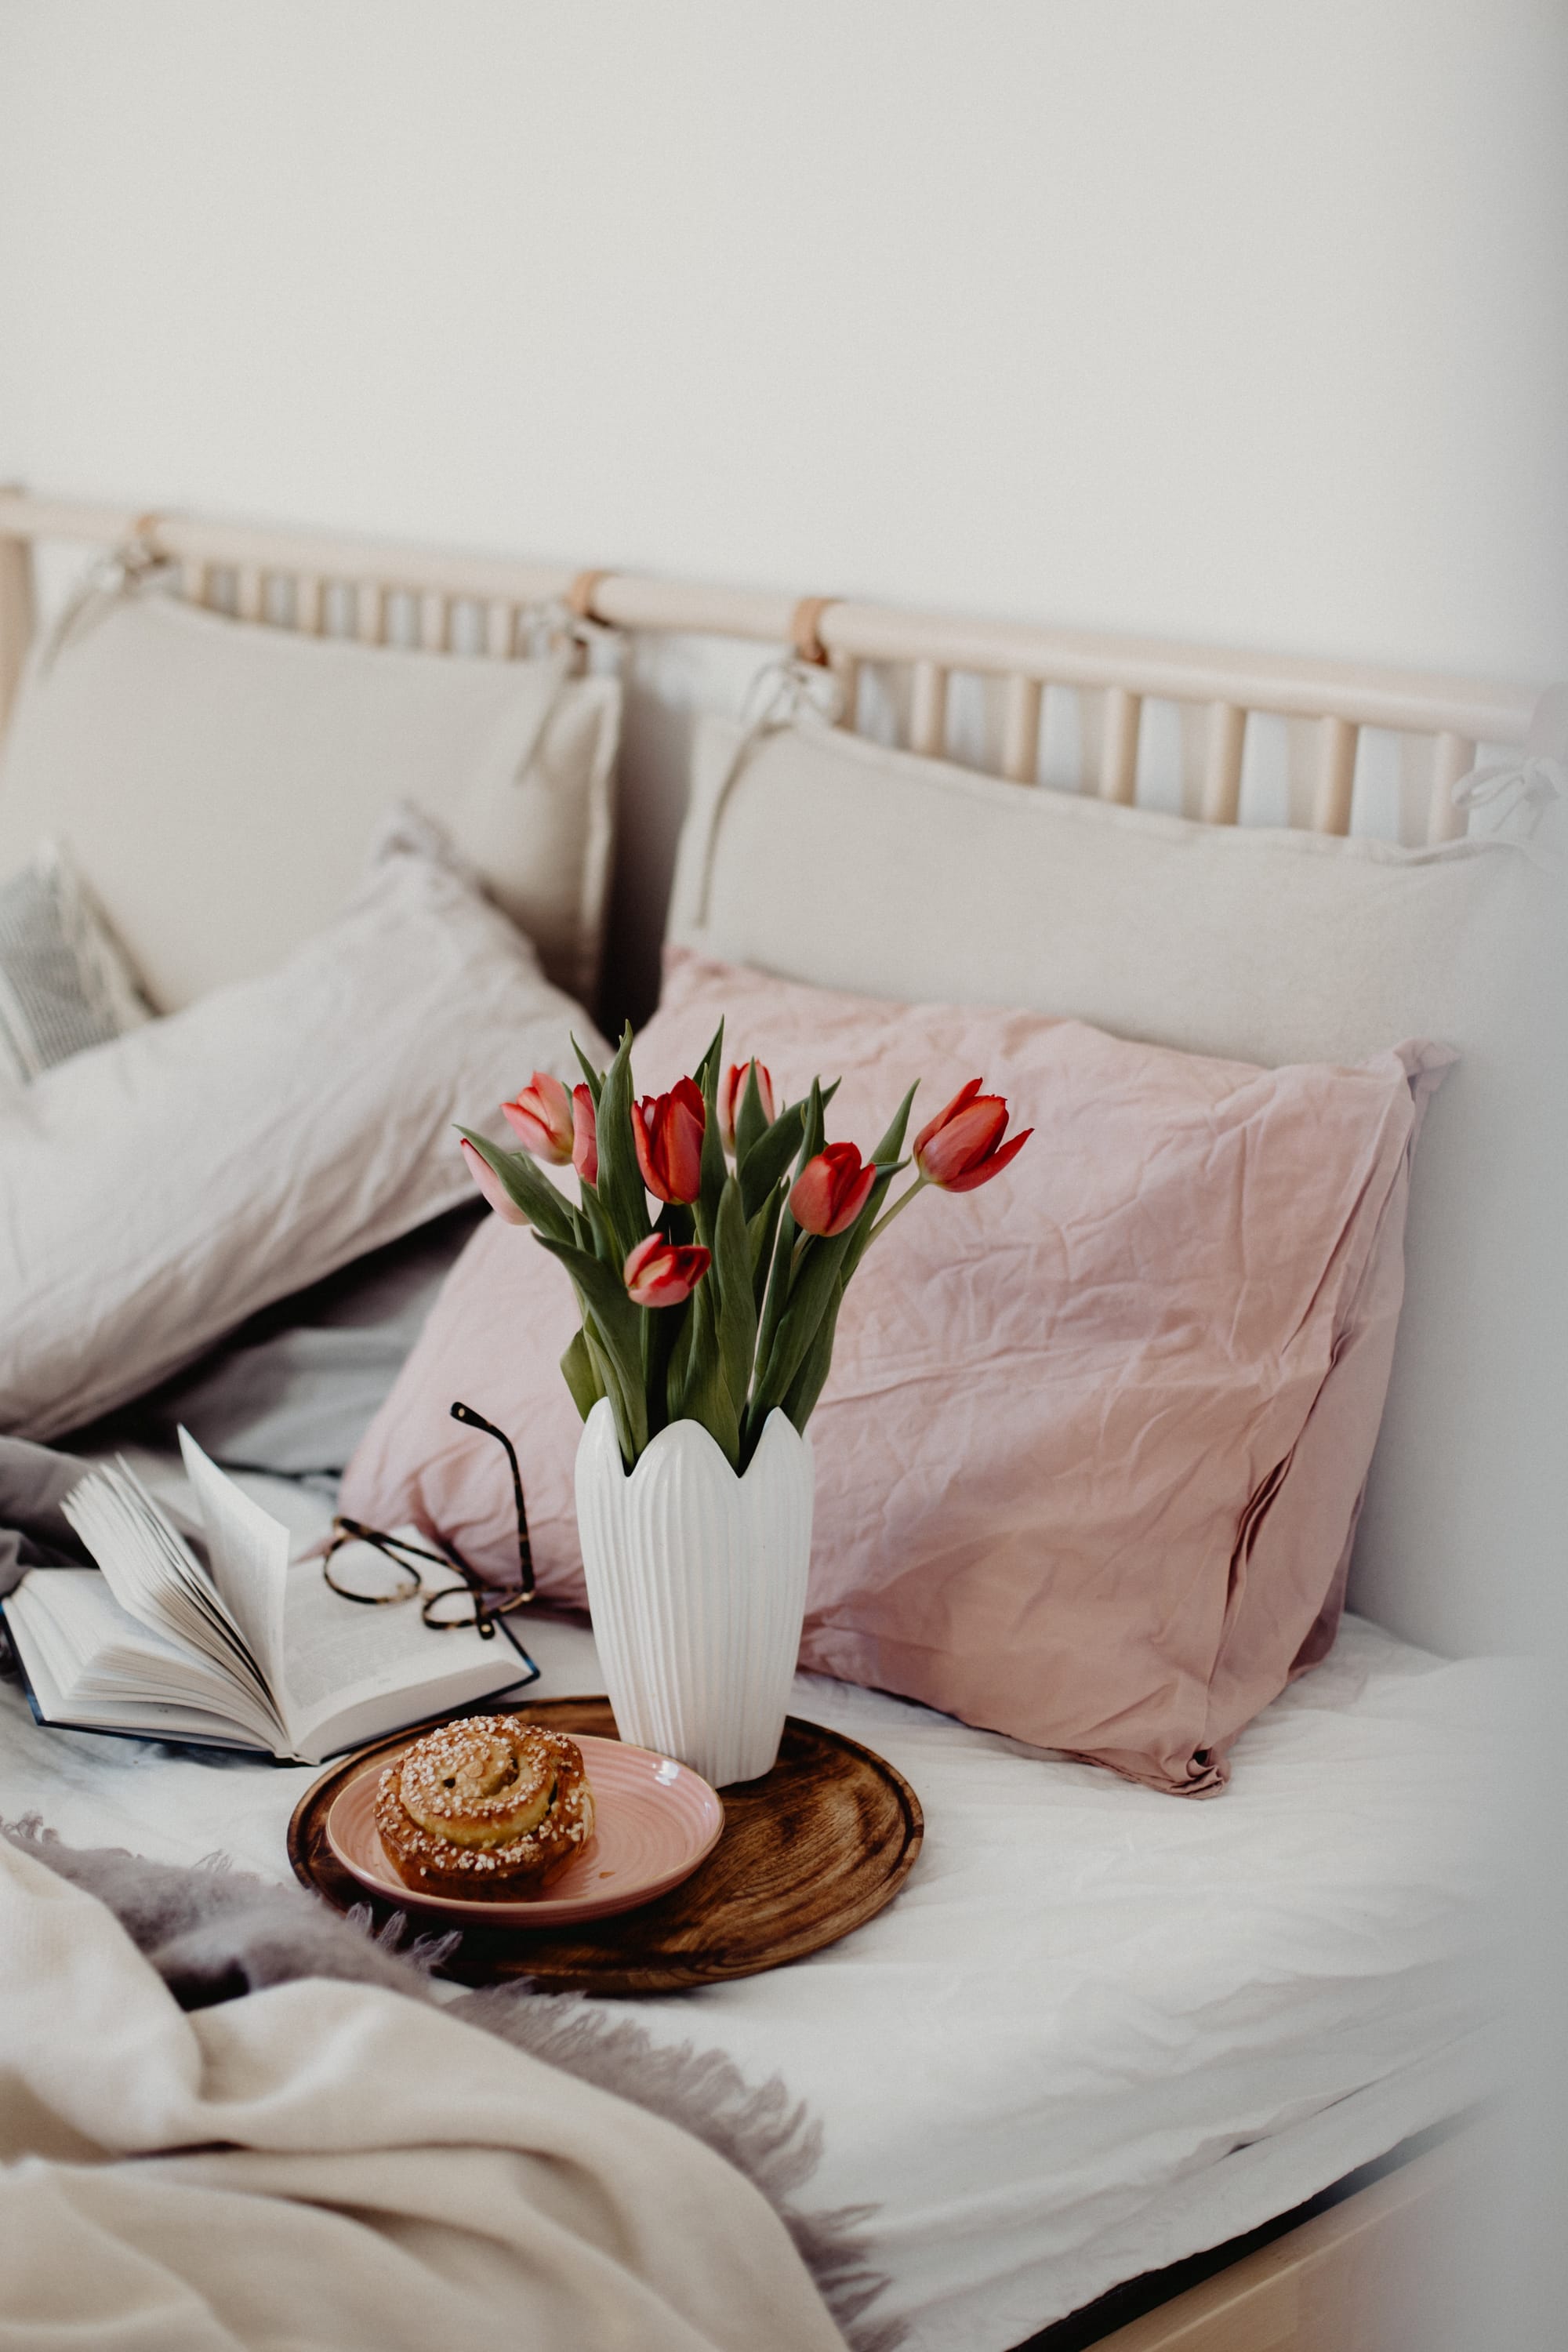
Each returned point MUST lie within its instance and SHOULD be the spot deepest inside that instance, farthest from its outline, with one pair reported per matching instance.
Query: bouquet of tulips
(721, 1305)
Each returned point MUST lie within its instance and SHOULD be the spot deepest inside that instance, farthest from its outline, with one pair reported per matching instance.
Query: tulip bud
(962, 1147)
(490, 1185)
(540, 1117)
(732, 1094)
(585, 1136)
(831, 1190)
(668, 1133)
(664, 1273)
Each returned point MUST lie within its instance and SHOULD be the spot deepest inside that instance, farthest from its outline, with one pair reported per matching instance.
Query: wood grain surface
(807, 1853)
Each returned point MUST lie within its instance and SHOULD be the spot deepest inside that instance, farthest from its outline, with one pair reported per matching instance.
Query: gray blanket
(215, 1934)
(34, 1531)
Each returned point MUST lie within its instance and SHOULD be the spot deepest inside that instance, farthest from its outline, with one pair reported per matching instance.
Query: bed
(1101, 2032)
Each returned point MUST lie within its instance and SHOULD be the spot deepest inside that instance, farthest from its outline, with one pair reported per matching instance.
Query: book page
(343, 1657)
(91, 1662)
(249, 1551)
(153, 1576)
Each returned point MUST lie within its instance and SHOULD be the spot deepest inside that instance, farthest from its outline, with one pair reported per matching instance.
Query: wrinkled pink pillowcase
(1091, 1455)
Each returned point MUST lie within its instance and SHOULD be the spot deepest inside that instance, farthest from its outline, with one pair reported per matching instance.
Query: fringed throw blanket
(231, 2120)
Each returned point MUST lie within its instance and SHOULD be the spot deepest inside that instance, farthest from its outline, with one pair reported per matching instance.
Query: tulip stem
(902, 1202)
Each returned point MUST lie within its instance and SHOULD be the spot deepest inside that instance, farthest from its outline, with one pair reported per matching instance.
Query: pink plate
(655, 1821)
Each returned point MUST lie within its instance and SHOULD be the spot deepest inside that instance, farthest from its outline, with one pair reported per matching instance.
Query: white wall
(1239, 319)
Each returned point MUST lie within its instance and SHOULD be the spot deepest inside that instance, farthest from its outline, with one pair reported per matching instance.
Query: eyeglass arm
(466, 1413)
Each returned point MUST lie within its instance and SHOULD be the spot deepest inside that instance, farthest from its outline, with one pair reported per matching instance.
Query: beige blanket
(331, 2165)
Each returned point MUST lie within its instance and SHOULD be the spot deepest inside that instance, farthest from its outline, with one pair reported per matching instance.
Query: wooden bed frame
(484, 604)
(1325, 2285)
(1378, 2270)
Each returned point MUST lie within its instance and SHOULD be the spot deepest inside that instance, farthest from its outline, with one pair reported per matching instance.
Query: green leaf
(581, 1377)
(893, 1143)
(737, 1304)
(610, 1381)
(622, 1194)
(751, 1119)
(761, 1165)
(809, 1297)
(816, 1130)
(598, 1225)
(778, 1290)
(707, 1397)
(596, 1078)
(541, 1203)
(679, 1365)
(761, 1234)
(888, 1163)
(800, 1402)
(715, 1173)
(662, 1327)
(709, 1066)
(619, 1329)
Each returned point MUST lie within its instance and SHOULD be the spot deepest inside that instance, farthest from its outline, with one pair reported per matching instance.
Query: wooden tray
(812, 1851)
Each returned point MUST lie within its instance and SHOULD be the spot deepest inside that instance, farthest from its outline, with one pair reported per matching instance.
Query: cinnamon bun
(485, 1802)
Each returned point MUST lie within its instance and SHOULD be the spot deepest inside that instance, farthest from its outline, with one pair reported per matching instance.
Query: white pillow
(155, 1190)
(833, 860)
(217, 784)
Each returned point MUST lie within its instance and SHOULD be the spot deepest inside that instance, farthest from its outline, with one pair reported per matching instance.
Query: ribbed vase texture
(696, 1584)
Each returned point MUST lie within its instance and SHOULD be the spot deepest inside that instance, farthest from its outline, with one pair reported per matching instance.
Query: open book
(249, 1653)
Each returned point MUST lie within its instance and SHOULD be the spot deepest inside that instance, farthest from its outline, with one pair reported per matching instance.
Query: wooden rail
(304, 572)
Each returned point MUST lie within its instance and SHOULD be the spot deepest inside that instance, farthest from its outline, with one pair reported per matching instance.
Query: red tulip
(831, 1190)
(541, 1119)
(732, 1094)
(664, 1273)
(585, 1136)
(490, 1185)
(667, 1131)
(962, 1147)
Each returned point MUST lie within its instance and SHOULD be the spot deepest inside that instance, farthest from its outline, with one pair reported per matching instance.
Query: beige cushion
(833, 860)
(156, 1190)
(217, 782)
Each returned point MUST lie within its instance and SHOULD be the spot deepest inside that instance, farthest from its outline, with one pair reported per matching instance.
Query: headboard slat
(1118, 745)
(1021, 728)
(928, 709)
(1336, 776)
(308, 602)
(1223, 757)
(370, 613)
(1452, 757)
(500, 628)
(435, 620)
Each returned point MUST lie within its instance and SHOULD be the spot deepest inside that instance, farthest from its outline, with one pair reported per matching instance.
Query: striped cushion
(64, 981)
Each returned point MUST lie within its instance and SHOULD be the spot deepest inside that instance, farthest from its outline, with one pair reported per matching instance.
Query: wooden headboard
(483, 605)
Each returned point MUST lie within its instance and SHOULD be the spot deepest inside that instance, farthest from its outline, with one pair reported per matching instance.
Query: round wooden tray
(814, 1849)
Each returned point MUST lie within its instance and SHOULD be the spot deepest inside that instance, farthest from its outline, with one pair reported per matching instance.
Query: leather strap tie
(805, 627)
(579, 598)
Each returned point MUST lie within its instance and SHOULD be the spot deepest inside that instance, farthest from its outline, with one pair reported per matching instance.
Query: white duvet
(1101, 2028)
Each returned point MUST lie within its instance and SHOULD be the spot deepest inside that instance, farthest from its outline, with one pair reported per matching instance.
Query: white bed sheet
(1101, 2027)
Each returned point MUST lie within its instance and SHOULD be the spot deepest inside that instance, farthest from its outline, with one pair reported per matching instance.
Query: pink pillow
(1091, 1455)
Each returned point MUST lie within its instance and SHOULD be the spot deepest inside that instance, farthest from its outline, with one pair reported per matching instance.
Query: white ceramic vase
(696, 1584)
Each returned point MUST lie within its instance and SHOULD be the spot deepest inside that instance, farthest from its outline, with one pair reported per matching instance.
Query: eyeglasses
(451, 1608)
